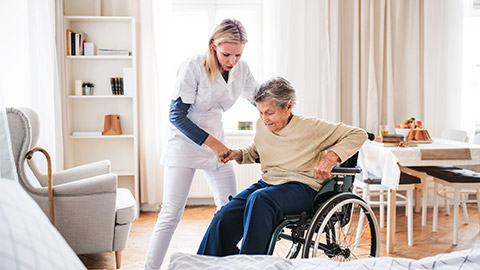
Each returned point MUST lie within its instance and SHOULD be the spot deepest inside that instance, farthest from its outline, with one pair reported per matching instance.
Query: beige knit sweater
(291, 153)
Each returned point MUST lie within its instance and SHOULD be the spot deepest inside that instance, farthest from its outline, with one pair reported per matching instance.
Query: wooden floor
(196, 219)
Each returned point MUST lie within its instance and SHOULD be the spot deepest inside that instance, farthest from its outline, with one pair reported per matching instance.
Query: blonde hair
(229, 30)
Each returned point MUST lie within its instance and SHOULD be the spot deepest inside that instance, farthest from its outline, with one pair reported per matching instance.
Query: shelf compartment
(89, 114)
(101, 29)
(120, 154)
(97, 71)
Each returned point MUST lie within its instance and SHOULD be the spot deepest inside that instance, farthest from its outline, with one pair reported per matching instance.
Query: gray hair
(278, 89)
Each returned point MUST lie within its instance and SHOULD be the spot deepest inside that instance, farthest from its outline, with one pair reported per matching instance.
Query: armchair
(91, 213)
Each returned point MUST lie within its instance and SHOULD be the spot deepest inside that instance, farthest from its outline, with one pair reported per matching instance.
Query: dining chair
(455, 135)
(476, 140)
(453, 180)
(459, 180)
(459, 136)
(447, 134)
(371, 186)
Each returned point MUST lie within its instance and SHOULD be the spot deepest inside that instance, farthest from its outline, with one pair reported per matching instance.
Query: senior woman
(295, 163)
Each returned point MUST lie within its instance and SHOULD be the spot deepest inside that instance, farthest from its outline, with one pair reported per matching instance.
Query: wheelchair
(341, 227)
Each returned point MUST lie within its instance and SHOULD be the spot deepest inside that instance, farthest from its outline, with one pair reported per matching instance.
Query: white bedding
(465, 259)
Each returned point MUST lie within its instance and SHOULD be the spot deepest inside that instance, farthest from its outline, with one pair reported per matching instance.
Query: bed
(464, 259)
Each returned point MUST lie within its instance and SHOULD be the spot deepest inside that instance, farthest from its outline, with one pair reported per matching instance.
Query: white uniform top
(208, 99)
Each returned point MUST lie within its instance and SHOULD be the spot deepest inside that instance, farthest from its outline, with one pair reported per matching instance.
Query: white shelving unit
(86, 113)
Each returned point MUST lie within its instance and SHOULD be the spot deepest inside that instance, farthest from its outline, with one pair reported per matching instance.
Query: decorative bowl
(402, 131)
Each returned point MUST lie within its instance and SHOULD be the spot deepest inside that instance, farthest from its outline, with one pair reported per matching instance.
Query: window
(198, 18)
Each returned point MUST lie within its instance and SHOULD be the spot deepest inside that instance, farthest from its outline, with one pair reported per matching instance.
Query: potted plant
(88, 88)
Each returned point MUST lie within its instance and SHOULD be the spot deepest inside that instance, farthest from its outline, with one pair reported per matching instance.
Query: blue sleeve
(178, 117)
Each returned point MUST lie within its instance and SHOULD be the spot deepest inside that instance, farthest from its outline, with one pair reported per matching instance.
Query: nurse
(205, 87)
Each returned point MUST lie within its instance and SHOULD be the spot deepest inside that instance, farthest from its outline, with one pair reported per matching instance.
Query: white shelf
(99, 57)
(99, 19)
(101, 97)
(103, 137)
(87, 113)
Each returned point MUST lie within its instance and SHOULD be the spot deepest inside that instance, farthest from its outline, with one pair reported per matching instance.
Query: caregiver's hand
(220, 150)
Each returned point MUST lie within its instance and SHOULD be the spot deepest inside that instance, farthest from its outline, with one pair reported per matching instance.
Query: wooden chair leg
(118, 259)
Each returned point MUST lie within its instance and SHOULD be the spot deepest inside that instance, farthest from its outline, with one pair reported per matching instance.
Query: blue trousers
(253, 215)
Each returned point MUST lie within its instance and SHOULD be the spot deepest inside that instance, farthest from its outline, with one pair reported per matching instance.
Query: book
(69, 42)
(88, 48)
(112, 85)
(120, 85)
(117, 86)
(72, 43)
(86, 133)
(77, 44)
(392, 138)
(128, 86)
(104, 51)
(83, 38)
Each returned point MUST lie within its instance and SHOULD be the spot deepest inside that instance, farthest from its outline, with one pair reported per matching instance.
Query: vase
(87, 90)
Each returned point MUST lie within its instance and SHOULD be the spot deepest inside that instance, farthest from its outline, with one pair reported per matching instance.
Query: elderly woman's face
(274, 118)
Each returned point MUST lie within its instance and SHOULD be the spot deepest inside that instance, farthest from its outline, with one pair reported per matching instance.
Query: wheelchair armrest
(345, 171)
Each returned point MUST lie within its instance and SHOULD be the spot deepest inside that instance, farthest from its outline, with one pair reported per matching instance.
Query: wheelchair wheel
(343, 229)
(282, 243)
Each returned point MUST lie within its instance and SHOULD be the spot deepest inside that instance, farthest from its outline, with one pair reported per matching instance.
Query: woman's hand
(236, 155)
(324, 167)
(220, 150)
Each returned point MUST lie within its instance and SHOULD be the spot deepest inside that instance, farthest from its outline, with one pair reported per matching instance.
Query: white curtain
(153, 96)
(7, 165)
(470, 84)
(28, 69)
(359, 62)
(378, 62)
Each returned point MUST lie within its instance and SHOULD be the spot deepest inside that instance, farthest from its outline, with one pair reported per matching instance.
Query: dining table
(388, 160)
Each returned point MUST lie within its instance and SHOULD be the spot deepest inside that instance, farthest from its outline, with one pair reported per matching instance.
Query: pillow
(28, 239)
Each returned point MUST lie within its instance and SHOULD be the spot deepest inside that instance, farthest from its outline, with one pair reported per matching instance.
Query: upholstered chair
(90, 211)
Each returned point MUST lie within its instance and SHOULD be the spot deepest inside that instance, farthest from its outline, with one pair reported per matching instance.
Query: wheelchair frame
(333, 209)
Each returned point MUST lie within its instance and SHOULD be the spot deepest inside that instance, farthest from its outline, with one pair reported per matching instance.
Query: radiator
(245, 174)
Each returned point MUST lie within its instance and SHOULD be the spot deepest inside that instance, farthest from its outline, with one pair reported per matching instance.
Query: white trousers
(177, 184)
